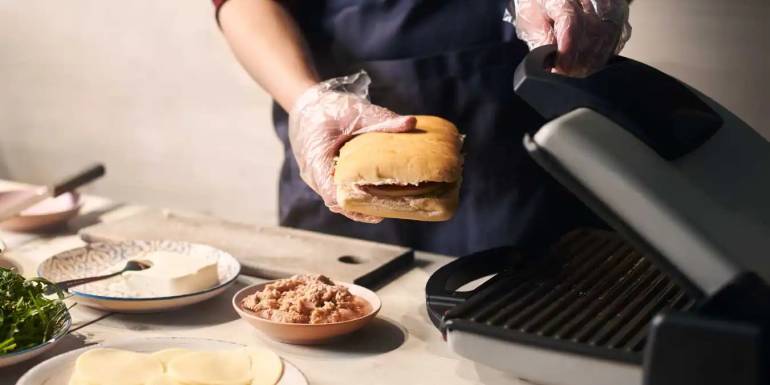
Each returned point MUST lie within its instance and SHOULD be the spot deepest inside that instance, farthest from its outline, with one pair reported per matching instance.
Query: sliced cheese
(266, 366)
(115, 367)
(229, 367)
(75, 380)
(175, 366)
(163, 380)
(166, 355)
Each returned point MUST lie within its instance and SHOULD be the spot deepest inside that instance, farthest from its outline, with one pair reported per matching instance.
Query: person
(450, 58)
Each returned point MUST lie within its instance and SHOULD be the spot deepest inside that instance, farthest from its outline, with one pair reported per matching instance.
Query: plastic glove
(324, 118)
(587, 32)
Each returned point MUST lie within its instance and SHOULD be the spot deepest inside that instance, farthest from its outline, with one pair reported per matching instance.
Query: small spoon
(65, 285)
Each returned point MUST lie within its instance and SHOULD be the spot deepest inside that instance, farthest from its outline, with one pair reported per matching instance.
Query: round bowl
(46, 214)
(7, 263)
(9, 359)
(307, 334)
(94, 258)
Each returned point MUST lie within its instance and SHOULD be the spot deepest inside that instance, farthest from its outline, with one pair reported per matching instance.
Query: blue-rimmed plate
(9, 359)
(96, 258)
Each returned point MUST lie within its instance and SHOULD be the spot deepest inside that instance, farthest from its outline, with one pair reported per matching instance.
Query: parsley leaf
(27, 317)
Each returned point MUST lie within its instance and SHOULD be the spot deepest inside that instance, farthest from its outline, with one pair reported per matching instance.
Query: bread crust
(430, 153)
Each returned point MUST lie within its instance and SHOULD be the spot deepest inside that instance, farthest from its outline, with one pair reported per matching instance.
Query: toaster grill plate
(596, 295)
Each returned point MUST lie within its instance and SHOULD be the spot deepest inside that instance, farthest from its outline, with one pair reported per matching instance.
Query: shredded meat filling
(306, 299)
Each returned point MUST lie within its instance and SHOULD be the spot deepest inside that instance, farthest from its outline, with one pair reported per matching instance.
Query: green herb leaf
(27, 317)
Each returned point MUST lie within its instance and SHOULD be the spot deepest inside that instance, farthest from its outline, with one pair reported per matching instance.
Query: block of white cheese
(172, 274)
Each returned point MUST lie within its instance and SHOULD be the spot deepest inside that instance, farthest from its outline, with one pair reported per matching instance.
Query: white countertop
(400, 347)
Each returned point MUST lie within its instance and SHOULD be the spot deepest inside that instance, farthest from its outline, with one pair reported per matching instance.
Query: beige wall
(720, 47)
(149, 87)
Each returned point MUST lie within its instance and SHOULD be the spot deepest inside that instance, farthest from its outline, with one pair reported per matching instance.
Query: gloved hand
(587, 32)
(324, 118)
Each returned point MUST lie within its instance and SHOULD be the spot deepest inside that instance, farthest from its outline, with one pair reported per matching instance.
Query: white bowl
(96, 257)
(26, 354)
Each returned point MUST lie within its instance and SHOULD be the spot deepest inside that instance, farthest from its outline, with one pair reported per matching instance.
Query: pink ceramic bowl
(307, 334)
(44, 215)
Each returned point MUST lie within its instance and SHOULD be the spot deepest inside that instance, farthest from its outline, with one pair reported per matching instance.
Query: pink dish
(307, 334)
(46, 214)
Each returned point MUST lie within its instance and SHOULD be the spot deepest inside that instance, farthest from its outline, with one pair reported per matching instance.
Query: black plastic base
(726, 342)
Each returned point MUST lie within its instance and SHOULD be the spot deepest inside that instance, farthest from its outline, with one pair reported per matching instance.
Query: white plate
(94, 258)
(57, 370)
(9, 359)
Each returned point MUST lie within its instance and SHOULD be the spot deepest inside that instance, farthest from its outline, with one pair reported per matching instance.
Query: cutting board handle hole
(352, 260)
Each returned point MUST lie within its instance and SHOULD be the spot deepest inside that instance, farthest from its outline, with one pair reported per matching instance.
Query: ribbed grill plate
(596, 295)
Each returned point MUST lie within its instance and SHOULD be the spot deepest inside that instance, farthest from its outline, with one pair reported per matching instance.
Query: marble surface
(400, 346)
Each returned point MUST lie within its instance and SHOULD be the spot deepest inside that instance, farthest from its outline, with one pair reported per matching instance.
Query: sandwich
(412, 175)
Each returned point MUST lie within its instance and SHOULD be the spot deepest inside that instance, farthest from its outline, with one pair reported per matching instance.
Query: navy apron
(450, 58)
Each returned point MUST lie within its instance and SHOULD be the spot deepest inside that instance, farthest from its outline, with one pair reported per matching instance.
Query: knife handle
(84, 177)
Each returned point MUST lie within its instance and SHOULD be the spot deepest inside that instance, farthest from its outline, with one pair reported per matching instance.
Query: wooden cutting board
(267, 252)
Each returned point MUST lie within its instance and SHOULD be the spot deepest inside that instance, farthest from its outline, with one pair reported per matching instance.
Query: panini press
(677, 293)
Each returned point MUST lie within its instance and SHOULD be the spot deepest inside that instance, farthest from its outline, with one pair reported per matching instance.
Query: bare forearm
(268, 44)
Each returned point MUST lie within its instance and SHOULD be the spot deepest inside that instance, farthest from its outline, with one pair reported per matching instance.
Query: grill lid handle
(656, 108)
